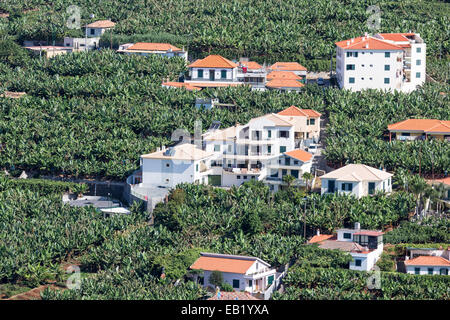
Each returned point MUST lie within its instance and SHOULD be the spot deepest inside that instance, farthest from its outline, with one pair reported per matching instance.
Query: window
(419, 50)
(387, 67)
(362, 78)
(355, 54)
(417, 74)
(417, 270)
(287, 161)
(92, 31)
(347, 187)
(389, 182)
(283, 172)
(386, 80)
(312, 122)
(196, 167)
(347, 235)
(351, 80)
(269, 133)
(223, 74)
(238, 177)
(236, 283)
(269, 149)
(370, 78)
(405, 134)
(387, 54)
(331, 184)
(418, 62)
(295, 161)
(270, 280)
(362, 65)
(217, 147)
(350, 67)
(443, 271)
(358, 262)
(250, 283)
(200, 73)
(167, 165)
(383, 186)
(282, 149)
(284, 134)
(201, 280)
(430, 270)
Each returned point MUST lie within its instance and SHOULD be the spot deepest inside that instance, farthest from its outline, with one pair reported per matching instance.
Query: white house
(387, 61)
(356, 179)
(97, 28)
(149, 48)
(428, 261)
(365, 246)
(243, 273)
(82, 44)
(169, 167)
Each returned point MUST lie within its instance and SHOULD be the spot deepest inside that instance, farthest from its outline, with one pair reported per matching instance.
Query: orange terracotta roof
(282, 83)
(367, 43)
(287, 75)
(151, 46)
(185, 85)
(320, 238)
(299, 155)
(235, 295)
(287, 66)
(214, 84)
(222, 264)
(428, 261)
(252, 65)
(444, 181)
(213, 61)
(397, 37)
(294, 111)
(421, 125)
(101, 24)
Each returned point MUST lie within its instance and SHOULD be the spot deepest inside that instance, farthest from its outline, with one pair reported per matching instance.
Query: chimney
(318, 232)
(366, 34)
(348, 43)
(357, 226)
(352, 40)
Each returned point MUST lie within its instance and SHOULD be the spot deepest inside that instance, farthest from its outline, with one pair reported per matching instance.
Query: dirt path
(34, 294)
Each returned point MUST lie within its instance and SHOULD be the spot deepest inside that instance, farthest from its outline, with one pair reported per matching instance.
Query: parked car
(312, 148)
(320, 82)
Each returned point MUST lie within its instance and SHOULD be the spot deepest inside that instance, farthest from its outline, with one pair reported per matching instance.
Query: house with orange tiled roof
(427, 261)
(293, 67)
(365, 246)
(243, 273)
(150, 48)
(93, 32)
(420, 129)
(386, 61)
(307, 124)
(265, 149)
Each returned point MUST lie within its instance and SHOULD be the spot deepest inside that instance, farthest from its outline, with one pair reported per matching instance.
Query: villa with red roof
(265, 149)
(414, 129)
(428, 261)
(149, 48)
(248, 274)
(386, 61)
(365, 246)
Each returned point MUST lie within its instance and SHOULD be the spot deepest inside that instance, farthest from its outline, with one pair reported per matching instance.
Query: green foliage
(340, 284)
(386, 262)
(176, 265)
(428, 230)
(12, 54)
(216, 278)
(226, 287)
(41, 186)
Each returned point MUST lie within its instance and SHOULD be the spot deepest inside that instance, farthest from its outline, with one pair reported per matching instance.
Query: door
(371, 187)
(331, 186)
(211, 75)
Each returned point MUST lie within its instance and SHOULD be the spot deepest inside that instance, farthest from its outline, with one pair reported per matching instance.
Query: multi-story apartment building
(387, 61)
(265, 149)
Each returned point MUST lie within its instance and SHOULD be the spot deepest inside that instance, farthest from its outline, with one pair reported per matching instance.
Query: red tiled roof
(214, 84)
(235, 295)
(397, 37)
(421, 125)
(251, 65)
(428, 261)
(294, 111)
(367, 43)
(152, 46)
(299, 155)
(222, 264)
(287, 75)
(185, 85)
(320, 238)
(287, 66)
(444, 181)
(369, 233)
(281, 83)
(213, 61)
(101, 24)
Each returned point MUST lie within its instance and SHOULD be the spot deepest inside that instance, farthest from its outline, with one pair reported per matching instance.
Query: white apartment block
(386, 61)
(264, 149)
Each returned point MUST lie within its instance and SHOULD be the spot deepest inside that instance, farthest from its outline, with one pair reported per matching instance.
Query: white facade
(422, 270)
(356, 180)
(213, 74)
(378, 63)
(80, 44)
